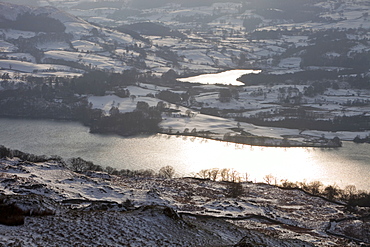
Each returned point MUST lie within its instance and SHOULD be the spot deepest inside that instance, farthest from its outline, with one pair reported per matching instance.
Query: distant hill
(34, 23)
(17, 15)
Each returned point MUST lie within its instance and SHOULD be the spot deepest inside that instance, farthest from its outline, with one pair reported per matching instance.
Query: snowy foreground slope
(65, 208)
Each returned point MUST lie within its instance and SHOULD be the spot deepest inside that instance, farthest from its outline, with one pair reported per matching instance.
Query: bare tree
(287, 184)
(213, 174)
(203, 174)
(224, 174)
(269, 178)
(110, 170)
(79, 164)
(331, 192)
(246, 176)
(314, 187)
(349, 192)
(234, 176)
(166, 172)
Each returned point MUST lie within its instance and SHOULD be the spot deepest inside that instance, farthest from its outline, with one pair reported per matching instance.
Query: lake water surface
(343, 166)
(225, 78)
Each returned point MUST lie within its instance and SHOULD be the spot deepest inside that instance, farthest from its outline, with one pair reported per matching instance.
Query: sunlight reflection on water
(293, 164)
(188, 155)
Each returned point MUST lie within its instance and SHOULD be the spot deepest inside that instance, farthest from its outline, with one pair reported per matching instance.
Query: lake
(188, 155)
(225, 78)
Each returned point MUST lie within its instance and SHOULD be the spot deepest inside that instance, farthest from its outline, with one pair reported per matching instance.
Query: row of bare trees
(82, 166)
(349, 194)
(225, 174)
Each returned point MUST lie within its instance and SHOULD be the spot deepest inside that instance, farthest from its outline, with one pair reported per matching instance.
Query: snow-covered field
(247, 101)
(101, 209)
(33, 68)
(220, 46)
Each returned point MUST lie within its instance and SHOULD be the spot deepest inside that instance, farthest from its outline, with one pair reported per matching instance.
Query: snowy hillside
(208, 38)
(213, 37)
(65, 208)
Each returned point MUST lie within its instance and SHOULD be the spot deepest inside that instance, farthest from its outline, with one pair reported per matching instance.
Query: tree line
(144, 120)
(34, 23)
(338, 123)
(349, 194)
(314, 78)
(80, 165)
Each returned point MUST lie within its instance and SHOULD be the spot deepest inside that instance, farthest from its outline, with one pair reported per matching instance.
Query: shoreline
(261, 141)
(252, 140)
